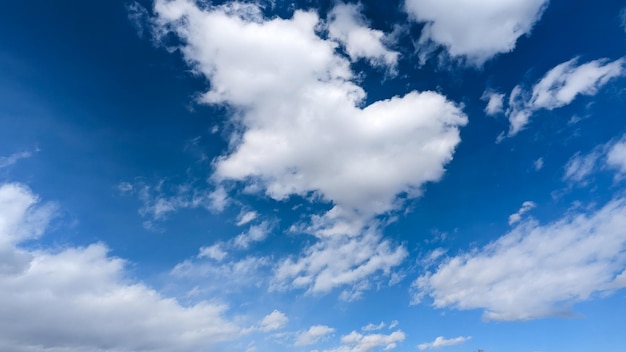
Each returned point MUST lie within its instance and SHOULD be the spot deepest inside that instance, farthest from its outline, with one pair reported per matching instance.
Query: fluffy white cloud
(302, 127)
(475, 29)
(535, 270)
(347, 26)
(215, 252)
(495, 102)
(313, 335)
(442, 342)
(356, 342)
(616, 157)
(274, 321)
(559, 87)
(74, 299)
(526, 207)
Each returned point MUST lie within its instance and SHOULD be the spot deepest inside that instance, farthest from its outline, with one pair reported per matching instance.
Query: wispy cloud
(559, 87)
(6, 161)
(442, 342)
(535, 270)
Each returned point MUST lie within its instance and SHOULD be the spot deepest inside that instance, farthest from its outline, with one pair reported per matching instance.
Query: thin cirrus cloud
(74, 299)
(535, 270)
(303, 128)
(442, 342)
(559, 87)
(357, 342)
(474, 30)
(313, 335)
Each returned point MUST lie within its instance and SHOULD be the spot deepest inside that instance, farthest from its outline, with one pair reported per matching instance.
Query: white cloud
(616, 157)
(356, 342)
(559, 87)
(73, 299)
(347, 26)
(517, 217)
(495, 102)
(579, 167)
(535, 270)
(339, 261)
(6, 161)
(442, 342)
(256, 233)
(302, 127)
(393, 324)
(215, 252)
(373, 327)
(538, 164)
(246, 217)
(313, 335)
(622, 18)
(276, 320)
(474, 29)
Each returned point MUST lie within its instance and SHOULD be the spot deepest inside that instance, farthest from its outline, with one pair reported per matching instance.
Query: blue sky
(180, 175)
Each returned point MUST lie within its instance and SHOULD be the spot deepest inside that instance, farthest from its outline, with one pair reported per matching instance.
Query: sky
(274, 175)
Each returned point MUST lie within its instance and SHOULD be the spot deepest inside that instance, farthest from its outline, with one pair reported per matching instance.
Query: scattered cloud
(73, 299)
(474, 30)
(535, 270)
(161, 200)
(276, 320)
(517, 217)
(373, 327)
(495, 102)
(616, 157)
(559, 87)
(349, 27)
(622, 18)
(393, 324)
(215, 252)
(356, 342)
(6, 161)
(138, 16)
(313, 335)
(339, 261)
(580, 166)
(255, 233)
(442, 342)
(246, 217)
(538, 164)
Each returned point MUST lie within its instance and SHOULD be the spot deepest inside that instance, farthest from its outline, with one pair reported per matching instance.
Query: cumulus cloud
(313, 335)
(517, 217)
(73, 299)
(442, 342)
(302, 127)
(495, 102)
(347, 26)
(474, 29)
(274, 321)
(535, 270)
(357, 342)
(559, 87)
(215, 252)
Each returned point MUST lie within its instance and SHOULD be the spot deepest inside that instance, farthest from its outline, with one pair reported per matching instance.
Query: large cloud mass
(78, 299)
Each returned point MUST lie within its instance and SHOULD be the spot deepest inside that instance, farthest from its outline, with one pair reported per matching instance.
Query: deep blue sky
(102, 117)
